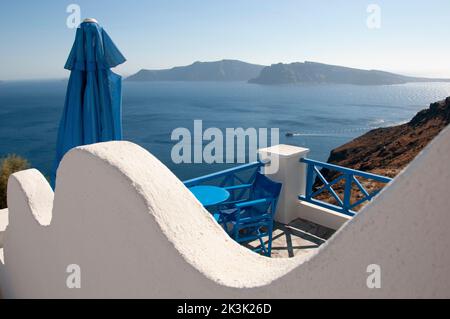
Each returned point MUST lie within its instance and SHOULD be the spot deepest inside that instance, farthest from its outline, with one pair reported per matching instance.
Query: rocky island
(319, 73)
(224, 70)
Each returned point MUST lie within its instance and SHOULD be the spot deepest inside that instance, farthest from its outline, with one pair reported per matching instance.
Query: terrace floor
(298, 237)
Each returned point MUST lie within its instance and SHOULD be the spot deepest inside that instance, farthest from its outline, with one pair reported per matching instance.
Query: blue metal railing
(236, 180)
(349, 176)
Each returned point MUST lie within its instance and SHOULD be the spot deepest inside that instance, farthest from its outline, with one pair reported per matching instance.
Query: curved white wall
(3, 225)
(136, 231)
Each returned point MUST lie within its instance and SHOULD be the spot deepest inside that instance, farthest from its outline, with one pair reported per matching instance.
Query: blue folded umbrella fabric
(93, 106)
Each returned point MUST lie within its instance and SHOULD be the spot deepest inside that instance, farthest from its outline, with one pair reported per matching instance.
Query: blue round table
(210, 195)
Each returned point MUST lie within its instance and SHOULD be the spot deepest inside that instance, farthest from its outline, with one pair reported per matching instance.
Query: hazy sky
(414, 37)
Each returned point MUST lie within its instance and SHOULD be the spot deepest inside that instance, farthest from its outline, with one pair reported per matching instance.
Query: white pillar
(285, 167)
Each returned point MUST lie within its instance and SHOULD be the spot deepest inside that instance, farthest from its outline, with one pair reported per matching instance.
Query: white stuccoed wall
(136, 231)
(285, 167)
(3, 224)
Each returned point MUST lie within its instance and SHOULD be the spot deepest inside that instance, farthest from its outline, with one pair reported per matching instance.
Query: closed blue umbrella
(93, 106)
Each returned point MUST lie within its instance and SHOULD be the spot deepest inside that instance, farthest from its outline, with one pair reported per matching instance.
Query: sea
(318, 117)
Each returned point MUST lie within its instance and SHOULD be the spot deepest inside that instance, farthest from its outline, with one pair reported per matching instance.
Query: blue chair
(252, 218)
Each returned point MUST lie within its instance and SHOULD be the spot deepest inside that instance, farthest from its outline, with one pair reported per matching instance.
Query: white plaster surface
(136, 231)
(285, 151)
(320, 215)
(3, 219)
(3, 225)
(290, 172)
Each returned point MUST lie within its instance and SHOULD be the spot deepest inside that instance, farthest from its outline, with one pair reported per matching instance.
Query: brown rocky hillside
(386, 151)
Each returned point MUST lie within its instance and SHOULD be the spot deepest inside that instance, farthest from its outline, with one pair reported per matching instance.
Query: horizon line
(230, 59)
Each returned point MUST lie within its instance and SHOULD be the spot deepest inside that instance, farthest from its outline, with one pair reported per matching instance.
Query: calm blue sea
(325, 116)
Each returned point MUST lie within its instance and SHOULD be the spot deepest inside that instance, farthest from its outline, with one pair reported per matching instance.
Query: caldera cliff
(386, 151)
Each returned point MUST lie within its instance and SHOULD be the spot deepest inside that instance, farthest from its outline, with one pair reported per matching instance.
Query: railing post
(347, 192)
(285, 167)
(309, 181)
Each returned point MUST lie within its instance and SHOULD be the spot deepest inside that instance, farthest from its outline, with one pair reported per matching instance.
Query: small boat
(289, 134)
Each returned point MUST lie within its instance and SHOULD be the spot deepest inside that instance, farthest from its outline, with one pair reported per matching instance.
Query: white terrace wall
(136, 231)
